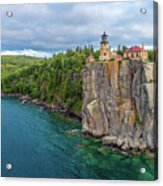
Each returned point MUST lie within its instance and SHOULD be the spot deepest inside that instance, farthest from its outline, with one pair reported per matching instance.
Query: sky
(43, 29)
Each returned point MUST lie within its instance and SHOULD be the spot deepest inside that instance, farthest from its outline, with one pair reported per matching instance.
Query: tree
(92, 50)
(96, 54)
(124, 48)
(151, 55)
(69, 52)
(121, 49)
(78, 49)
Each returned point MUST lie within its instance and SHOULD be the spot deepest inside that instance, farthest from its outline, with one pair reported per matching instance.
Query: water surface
(37, 144)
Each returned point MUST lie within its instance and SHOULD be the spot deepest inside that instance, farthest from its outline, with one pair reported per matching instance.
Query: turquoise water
(37, 144)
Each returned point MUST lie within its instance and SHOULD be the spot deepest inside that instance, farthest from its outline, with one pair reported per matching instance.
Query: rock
(24, 102)
(24, 99)
(120, 141)
(80, 145)
(95, 111)
(109, 140)
(148, 73)
(73, 131)
(143, 145)
(125, 147)
(119, 103)
(35, 101)
(126, 154)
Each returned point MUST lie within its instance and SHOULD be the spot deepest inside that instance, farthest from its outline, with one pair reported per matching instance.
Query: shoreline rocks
(25, 99)
(109, 140)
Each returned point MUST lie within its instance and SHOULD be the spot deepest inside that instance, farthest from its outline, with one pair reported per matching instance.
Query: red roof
(90, 57)
(118, 56)
(135, 49)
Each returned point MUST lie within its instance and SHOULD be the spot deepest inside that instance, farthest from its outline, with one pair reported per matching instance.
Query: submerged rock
(80, 145)
(119, 103)
(24, 102)
(73, 131)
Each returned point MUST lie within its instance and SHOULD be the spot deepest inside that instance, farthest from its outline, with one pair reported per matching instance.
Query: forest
(56, 80)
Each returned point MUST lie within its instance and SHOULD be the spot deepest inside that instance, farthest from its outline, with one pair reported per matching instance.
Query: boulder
(109, 140)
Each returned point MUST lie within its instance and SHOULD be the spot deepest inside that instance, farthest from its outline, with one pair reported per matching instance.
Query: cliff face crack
(119, 103)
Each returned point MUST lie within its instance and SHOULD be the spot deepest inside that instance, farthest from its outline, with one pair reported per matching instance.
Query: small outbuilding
(90, 59)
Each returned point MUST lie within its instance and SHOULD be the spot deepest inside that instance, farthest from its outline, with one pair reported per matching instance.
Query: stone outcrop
(119, 103)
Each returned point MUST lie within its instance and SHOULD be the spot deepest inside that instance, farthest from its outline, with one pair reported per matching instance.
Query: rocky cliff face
(119, 103)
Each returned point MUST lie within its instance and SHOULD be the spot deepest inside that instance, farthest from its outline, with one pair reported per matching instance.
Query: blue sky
(43, 29)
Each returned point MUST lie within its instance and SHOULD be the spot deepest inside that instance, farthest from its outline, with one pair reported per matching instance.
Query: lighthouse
(104, 50)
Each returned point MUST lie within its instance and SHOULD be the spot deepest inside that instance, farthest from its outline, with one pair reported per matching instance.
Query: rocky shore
(25, 99)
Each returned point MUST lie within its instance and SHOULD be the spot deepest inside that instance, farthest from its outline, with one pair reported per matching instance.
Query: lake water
(37, 144)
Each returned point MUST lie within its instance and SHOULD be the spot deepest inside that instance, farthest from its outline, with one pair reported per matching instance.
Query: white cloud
(28, 52)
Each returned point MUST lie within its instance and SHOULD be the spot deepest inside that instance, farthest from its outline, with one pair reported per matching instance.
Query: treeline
(11, 63)
(56, 80)
(17, 59)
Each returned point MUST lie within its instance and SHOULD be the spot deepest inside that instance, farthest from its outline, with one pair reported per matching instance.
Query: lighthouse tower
(104, 50)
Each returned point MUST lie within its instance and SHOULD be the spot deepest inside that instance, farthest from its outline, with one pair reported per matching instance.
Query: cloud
(55, 27)
(29, 52)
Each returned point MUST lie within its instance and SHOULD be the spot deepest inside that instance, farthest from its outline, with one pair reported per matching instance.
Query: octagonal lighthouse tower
(104, 50)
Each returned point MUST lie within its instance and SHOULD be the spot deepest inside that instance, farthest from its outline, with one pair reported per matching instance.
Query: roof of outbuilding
(90, 57)
(118, 56)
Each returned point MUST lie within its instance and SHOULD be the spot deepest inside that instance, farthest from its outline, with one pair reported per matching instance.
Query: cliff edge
(119, 103)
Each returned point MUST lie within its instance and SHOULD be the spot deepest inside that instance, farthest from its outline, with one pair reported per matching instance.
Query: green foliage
(151, 81)
(13, 63)
(121, 49)
(112, 59)
(151, 55)
(96, 54)
(88, 50)
(137, 120)
(56, 80)
(124, 48)
(126, 58)
(21, 60)
(121, 102)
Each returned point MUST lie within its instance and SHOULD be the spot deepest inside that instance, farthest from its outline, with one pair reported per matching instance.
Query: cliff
(119, 103)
